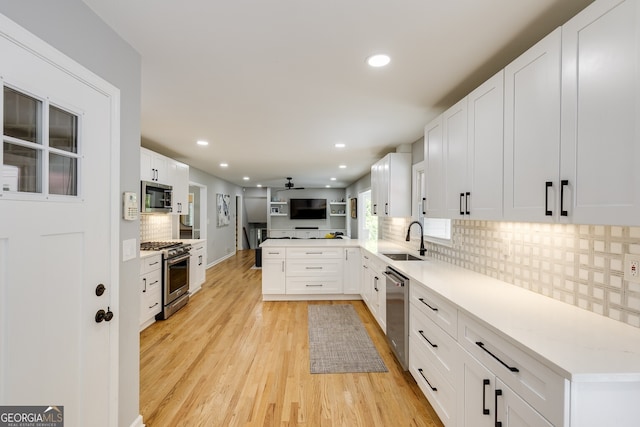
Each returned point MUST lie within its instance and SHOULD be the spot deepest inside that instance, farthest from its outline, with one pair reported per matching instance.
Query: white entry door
(57, 233)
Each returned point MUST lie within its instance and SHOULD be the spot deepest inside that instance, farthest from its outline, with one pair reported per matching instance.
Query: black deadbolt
(100, 316)
(100, 289)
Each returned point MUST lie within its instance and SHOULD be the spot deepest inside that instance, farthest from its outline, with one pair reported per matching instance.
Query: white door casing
(54, 251)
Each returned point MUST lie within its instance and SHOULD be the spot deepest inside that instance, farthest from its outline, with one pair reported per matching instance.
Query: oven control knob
(100, 315)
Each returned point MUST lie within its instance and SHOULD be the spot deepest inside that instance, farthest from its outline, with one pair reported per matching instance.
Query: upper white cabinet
(485, 146)
(153, 167)
(532, 133)
(454, 122)
(434, 158)
(158, 168)
(600, 114)
(391, 185)
(179, 179)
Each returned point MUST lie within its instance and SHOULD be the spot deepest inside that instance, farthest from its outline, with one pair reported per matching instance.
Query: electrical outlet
(505, 248)
(632, 268)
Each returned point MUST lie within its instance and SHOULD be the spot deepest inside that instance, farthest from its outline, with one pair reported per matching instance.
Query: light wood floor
(229, 359)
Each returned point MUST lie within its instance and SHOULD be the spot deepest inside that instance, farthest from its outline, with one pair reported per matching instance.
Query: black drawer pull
(497, 423)
(511, 368)
(485, 383)
(425, 303)
(423, 336)
(425, 378)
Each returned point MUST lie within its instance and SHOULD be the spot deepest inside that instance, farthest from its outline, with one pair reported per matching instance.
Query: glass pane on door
(22, 116)
(63, 130)
(21, 170)
(63, 175)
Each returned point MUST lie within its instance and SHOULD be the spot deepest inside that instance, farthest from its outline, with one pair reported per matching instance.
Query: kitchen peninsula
(480, 349)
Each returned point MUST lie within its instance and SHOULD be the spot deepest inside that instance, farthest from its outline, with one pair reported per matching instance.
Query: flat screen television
(308, 208)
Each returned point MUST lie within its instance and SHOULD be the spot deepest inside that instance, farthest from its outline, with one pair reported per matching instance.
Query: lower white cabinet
(351, 271)
(314, 270)
(273, 271)
(150, 289)
(374, 288)
(197, 266)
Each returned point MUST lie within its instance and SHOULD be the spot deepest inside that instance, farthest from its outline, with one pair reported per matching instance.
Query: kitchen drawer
(536, 383)
(151, 281)
(441, 312)
(314, 267)
(273, 253)
(150, 304)
(150, 263)
(439, 348)
(314, 285)
(438, 391)
(307, 253)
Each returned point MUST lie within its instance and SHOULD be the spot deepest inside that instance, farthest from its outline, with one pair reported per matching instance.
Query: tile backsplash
(155, 228)
(580, 265)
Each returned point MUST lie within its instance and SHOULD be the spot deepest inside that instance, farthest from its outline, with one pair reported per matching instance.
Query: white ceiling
(273, 85)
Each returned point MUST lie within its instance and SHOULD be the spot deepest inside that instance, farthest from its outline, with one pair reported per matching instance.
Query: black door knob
(100, 289)
(108, 315)
(101, 315)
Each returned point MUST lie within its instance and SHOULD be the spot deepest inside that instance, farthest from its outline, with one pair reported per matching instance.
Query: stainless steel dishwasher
(398, 315)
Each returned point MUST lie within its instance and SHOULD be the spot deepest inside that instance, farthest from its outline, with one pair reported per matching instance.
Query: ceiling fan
(290, 185)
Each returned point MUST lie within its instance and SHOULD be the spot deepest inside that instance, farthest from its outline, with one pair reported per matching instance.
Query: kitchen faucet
(422, 248)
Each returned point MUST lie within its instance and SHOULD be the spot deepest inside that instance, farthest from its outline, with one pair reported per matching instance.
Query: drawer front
(533, 381)
(439, 348)
(439, 392)
(273, 252)
(150, 263)
(314, 285)
(441, 312)
(310, 253)
(150, 305)
(314, 267)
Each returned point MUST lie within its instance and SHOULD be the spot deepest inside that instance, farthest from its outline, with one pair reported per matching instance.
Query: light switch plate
(129, 249)
(632, 268)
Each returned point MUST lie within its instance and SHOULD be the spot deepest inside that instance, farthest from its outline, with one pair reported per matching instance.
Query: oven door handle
(176, 260)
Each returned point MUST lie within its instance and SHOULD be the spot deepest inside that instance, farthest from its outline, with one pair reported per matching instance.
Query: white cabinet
(455, 157)
(374, 288)
(306, 233)
(485, 111)
(278, 234)
(391, 185)
(273, 271)
(278, 208)
(150, 289)
(532, 133)
(435, 165)
(600, 115)
(153, 167)
(179, 180)
(351, 271)
(314, 271)
(197, 266)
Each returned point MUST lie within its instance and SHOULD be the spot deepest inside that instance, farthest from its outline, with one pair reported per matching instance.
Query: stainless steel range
(175, 275)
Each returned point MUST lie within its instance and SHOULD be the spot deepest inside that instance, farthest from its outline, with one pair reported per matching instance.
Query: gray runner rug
(339, 343)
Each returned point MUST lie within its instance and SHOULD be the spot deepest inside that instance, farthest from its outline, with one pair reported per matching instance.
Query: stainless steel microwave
(155, 197)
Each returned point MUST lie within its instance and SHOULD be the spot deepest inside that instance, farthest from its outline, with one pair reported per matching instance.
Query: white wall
(71, 27)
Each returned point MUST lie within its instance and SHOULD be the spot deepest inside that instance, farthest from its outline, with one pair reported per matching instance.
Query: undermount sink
(402, 257)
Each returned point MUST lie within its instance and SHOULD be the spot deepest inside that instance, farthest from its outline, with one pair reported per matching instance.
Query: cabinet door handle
(375, 284)
(425, 378)
(199, 259)
(461, 197)
(154, 282)
(144, 279)
(386, 208)
(485, 383)
(511, 368)
(547, 185)
(314, 286)
(424, 206)
(466, 203)
(497, 423)
(425, 303)
(154, 263)
(427, 339)
(375, 209)
(151, 306)
(563, 183)
(313, 268)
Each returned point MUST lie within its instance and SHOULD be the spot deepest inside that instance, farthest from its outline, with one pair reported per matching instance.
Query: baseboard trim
(138, 422)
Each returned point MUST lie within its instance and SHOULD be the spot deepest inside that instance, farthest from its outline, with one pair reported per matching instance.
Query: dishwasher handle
(395, 277)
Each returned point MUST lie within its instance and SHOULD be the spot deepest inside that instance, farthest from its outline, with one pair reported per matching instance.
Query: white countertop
(577, 344)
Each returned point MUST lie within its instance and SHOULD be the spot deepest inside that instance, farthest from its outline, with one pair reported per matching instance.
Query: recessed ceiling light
(246, 178)
(332, 179)
(340, 145)
(327, 186)
(224, 165)
(342, 166)
(378, 60)
(259, 185)
(202, 142)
